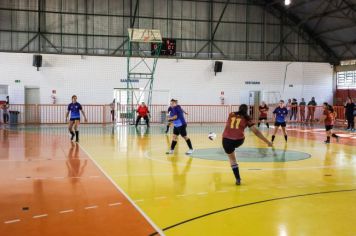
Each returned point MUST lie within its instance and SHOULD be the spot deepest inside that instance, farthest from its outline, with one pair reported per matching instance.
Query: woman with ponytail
(329, 116)
(233, 136)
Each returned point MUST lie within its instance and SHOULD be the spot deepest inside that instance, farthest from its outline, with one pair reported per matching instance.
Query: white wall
(92, 79)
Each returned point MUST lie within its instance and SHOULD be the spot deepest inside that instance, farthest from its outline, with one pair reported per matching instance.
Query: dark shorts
(230, 145)
(283, 124)
(329, 127)
(262, 118)
(182, 130)
(73, 119)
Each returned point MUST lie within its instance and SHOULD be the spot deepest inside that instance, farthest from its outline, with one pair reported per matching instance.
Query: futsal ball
(212, 135)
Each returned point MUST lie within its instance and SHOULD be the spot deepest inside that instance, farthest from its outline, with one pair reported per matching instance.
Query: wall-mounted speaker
(218, 66)
(37, 61)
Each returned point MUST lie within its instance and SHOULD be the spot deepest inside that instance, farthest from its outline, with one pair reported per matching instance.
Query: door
(254, 102)
(32, 100)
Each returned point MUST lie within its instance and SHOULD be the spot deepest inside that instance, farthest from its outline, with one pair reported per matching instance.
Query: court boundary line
(250, 204)
(158, 230)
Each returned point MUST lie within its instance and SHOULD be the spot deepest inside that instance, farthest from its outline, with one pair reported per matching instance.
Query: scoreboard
(168, 47)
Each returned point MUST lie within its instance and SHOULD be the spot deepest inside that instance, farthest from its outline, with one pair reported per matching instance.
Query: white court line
(40, 216)
(160, 198)
(22, 178)
(58, 177)
(123, 193)
(90, 207)
(114, 204)
(138, 200)
(12, 221)
(94, 176)
(222, 191)
(202, 193)
(182, 195)
(66, 211)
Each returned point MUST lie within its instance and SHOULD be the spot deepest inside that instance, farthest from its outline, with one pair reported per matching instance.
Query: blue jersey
(281, 114)
(177, 111)
(74, 109)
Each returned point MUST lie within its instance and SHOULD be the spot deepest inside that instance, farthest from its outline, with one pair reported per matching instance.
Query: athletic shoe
(238, 182)
(170, 152)
(326, 141)
(189, 152)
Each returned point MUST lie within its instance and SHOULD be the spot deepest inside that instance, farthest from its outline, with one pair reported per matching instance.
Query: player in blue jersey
(169, 115)
(280, 114)
(74, 109)
(180, 126)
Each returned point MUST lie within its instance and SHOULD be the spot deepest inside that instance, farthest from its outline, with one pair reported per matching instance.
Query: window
(346, 80)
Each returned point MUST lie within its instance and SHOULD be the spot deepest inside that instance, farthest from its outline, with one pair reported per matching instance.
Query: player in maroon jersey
(263, 114)
(329, 116)
(234, 136)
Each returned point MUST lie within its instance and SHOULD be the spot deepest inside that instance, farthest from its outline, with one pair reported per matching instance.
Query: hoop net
(144, 35)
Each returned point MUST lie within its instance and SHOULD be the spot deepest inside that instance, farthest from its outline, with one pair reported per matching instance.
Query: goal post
(128, 99)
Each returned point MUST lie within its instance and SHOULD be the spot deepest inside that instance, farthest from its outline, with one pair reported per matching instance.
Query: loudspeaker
(37, 61)
(218, 66)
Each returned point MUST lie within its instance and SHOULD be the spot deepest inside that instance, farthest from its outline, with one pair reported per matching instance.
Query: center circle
(247, 154)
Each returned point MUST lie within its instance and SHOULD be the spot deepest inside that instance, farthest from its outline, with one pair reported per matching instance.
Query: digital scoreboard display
(168, 47)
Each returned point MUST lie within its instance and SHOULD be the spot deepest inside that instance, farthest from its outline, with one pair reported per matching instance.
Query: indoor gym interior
(210, 55)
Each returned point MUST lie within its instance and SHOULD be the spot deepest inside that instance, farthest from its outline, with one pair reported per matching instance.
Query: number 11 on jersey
(235, 122)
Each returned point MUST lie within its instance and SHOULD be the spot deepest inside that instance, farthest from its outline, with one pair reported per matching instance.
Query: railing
(100, 114)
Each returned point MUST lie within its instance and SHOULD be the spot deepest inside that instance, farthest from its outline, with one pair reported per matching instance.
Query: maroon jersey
(330, 117)
(263, 111)
(236, 125)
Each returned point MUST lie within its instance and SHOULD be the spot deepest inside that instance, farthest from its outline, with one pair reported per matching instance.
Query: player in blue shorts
(177, 117)
(280, 114)
(74, 109)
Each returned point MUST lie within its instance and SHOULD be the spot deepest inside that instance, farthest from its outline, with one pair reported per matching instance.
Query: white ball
(212, 135)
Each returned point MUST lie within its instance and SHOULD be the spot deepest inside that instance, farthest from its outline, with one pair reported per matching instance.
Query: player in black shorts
(280, 114)
(74, 109)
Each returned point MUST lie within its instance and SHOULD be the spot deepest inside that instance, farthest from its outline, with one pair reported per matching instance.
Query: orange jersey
(330, 117)
(236, 125)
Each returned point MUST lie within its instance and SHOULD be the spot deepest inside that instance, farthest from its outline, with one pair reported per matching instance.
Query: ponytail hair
(331, 108)
(243, 111)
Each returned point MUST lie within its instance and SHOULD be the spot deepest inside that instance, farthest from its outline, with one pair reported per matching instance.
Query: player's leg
(187, 139)
(229, 147)
(176, 132)
(284, 131)
(147, 120)
(333, 134)
(276, 127)
(70, 129)
(168, 125)
(138, 120)
(76, 129)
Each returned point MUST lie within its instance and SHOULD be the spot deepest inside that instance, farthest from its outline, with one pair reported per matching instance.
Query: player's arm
(260, 135)
(173, 118)
(67, 114)
(85, 117)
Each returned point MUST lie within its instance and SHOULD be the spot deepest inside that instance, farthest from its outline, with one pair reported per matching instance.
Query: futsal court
(177, 117)
(119, 181)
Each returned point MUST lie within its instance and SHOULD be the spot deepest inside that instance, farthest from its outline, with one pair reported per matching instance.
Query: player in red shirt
(329, 116)
(234, 136)
(142, 112)
(263, 114)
